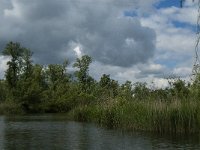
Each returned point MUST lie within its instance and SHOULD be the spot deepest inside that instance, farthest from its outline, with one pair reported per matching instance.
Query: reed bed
(177, 116)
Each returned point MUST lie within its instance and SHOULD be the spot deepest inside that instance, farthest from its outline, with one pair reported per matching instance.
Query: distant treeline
(34, 88)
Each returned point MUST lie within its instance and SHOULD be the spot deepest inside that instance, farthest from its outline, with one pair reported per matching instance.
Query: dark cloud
(52, 29)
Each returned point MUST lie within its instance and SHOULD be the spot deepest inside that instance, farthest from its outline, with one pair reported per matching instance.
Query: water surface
(54, 132)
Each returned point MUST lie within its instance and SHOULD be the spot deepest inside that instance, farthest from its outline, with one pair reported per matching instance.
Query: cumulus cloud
(175, 37)
(148, 46)
(151, 69)
(50, 27)
(182, 71)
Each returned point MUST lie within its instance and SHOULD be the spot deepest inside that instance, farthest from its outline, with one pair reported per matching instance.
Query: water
(54, 132)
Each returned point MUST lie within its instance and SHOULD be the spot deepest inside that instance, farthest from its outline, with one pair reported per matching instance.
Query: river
(54, 132)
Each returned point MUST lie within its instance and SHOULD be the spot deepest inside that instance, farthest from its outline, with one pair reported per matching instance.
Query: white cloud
(15, 11)
(160, 83)
(175, 44)
(95, 25)
(3, 65)
(170, 37)
(182, 71)
(184, 15)
(78, 51)
(80, 27)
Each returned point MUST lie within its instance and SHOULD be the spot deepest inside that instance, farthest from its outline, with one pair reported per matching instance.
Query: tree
(105, 81)
(27, 66)
(83, 73)
(30, 90)
(20, 66)
(141, 91)
(24, 80)
(109, 87)
(14, 51)
(55, 73)
(179, 88)
(126, 90)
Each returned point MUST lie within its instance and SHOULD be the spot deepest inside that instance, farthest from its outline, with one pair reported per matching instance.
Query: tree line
(51, 88)
(35, 88)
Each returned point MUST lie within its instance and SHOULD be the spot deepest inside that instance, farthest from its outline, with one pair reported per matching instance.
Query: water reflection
(54, 132)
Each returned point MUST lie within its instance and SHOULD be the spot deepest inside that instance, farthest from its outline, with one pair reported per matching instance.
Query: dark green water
(53, 132)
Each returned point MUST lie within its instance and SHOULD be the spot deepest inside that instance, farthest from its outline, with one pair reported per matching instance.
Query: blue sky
(162, 5)
(174, 3)
(168, 3)
(177, 24)
(176, 35)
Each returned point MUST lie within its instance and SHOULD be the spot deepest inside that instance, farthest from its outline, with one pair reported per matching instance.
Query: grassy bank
(154, 113)
(7, 108)
(171, 110)
(163, 117)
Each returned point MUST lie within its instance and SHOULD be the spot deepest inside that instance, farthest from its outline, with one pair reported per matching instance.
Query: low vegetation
(35, 88)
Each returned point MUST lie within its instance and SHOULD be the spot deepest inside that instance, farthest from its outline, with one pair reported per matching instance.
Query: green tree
(105, 81)
(15, 52)
(30, 90)
(126, 90)
(83, 73)
(20, 64)
(109, 87)
(25, 81)
(57, 79)
(179, 88)
(55, 74)
(27, 65)
(140, 91)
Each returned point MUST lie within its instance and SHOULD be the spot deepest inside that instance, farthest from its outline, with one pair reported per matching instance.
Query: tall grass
(10, 107)
(177, 116)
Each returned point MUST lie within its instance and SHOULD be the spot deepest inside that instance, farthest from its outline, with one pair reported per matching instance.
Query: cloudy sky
(136, 40)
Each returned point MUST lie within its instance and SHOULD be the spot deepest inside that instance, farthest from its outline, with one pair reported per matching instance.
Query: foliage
(33, 88)
(83, 73)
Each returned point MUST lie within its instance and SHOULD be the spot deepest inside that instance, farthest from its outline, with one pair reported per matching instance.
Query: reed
(178, 116)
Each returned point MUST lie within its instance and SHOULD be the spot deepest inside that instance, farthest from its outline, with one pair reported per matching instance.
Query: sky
(139, 41)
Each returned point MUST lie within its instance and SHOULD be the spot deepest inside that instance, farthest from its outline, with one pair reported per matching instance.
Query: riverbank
(177, 116)
(162, 117)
